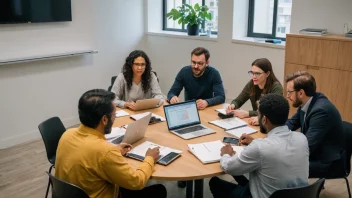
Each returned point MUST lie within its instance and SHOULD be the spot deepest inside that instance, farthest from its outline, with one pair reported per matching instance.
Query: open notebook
(229, 123)
(237, 133)
(167, 155)
(209, 152)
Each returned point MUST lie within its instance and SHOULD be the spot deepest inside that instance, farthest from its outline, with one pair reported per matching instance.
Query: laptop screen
(181, 114)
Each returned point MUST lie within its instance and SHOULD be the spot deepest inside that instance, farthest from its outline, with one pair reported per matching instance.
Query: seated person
(263, 82)
(320, 121)
(84, 157)
(201, 81)
(136, 82)
(276, 162)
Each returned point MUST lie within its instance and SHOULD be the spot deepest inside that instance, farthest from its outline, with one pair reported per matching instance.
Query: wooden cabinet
(329, 60)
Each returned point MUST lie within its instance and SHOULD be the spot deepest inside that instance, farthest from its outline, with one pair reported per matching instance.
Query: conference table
(187, 167)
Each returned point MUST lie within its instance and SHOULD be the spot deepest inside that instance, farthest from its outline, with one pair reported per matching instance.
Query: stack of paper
(313, 31)
(209, 152)
(116, 132)
(229, 123)
(141, 115)
(121, 113)
(239, 131)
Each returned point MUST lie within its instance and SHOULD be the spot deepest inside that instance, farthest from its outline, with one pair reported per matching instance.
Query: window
(171, 25)
(269, 18)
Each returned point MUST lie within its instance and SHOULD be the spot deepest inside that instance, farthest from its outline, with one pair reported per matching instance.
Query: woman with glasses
(136, 82)
(263, 82)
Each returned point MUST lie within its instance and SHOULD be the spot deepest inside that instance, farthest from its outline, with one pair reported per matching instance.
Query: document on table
(229, 123)
(239, 131)
(121, 113)
(141, 115)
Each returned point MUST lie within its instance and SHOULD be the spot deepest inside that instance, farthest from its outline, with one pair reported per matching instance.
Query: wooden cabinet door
(345, 56)
(335, 85)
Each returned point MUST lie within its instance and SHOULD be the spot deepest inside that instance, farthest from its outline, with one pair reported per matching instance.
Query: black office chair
(343, 171)
(112, 82)
(62, 189)
(310, 191)
(51, 131)
(156, 76)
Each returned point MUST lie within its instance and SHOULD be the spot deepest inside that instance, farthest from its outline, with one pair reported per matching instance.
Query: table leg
(198, 188)
(189, 189)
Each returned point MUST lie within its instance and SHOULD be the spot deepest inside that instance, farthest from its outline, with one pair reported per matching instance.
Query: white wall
(169, 54)
(330, 14)
(33, 92)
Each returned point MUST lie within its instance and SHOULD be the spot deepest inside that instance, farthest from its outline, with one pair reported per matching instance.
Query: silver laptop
(134, 132)
(183, 120)
(146, 104)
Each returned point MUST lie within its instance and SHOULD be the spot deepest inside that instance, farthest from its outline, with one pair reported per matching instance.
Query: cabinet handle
(313, 67)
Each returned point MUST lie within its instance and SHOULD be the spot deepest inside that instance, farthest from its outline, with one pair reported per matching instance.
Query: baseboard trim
(33, 135)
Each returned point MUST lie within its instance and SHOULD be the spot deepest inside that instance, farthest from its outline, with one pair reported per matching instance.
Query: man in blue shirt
(201, 81)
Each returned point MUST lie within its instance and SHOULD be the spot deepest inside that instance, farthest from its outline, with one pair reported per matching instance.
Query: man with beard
(84, 157)
(276, 162)
(201, 81)
(319, 121)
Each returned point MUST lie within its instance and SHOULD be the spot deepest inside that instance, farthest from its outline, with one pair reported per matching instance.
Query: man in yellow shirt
(86, 159)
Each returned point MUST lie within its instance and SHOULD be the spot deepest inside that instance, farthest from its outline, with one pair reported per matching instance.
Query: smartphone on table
(230, 140)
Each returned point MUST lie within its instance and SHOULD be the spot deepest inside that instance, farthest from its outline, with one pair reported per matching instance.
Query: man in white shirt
(276, 162)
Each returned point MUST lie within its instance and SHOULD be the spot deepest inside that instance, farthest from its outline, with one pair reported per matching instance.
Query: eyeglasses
(256, 74)
(289, 92)
(139, 65)
(194, 63)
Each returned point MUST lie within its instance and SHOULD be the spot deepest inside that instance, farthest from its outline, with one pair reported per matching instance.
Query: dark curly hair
(275, 107)
(128, 72)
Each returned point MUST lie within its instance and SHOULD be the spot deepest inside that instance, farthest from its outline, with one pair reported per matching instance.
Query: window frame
(251, 33)
(165, 28)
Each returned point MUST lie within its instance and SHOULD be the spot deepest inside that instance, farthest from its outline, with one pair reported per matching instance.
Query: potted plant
(190, 16)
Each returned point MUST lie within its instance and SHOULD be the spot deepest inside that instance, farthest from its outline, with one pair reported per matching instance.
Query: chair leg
(348, 187)
(49, 183)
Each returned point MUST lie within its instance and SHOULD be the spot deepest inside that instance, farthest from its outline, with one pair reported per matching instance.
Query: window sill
(258, 42)
(183, 35)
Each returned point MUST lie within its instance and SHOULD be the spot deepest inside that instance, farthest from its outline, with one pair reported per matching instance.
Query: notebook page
(115, 132)
(229, 123)
(239, 131)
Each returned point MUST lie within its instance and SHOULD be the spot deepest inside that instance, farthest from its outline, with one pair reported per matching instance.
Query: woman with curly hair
(136, 82)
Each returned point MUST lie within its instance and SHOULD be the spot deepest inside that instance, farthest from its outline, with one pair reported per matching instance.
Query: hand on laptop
(245, 139)
(124, 147)
(130, 105)
(201, 104)
(227, 149)
(174, 100)
(154, 153)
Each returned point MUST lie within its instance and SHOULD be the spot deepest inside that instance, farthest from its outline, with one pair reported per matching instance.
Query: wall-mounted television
(34, 11)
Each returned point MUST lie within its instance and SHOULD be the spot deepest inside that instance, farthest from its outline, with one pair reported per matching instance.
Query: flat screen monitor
(34, 11)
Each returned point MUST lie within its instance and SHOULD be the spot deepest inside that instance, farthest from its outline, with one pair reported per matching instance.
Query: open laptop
(183, 120)
(134, 132)
(146, 104)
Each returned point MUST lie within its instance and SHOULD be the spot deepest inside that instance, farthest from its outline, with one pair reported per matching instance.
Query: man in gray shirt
(276, 162)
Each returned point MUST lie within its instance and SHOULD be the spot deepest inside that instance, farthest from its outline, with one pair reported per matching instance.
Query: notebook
(229, 123)
(141, 115)
(167, 155)
(239, 131)
(209, 152)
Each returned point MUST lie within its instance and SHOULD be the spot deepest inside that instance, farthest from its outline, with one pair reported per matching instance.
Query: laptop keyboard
(190, 129)
(118, 140)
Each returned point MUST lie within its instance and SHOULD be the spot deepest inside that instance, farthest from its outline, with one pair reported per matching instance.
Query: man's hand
(253, 121)
(174, 100)
(130, 105)
(230, 108)
(227, 150)
(241, 113)
(202, 104)
(124, 148)
(245, 139)
(154, 153)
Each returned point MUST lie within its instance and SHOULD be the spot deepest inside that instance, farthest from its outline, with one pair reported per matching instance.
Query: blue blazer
(323, 129)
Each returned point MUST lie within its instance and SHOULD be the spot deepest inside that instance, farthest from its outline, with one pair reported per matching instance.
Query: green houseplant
(190, 16)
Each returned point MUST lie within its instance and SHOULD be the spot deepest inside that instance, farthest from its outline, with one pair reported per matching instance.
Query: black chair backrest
(62, 189)
(347, 127)
(112, 82)
(310, 191)
(156, 75)
(51, 131)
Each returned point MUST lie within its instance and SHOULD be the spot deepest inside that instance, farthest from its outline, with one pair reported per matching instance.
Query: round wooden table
(187, 167)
